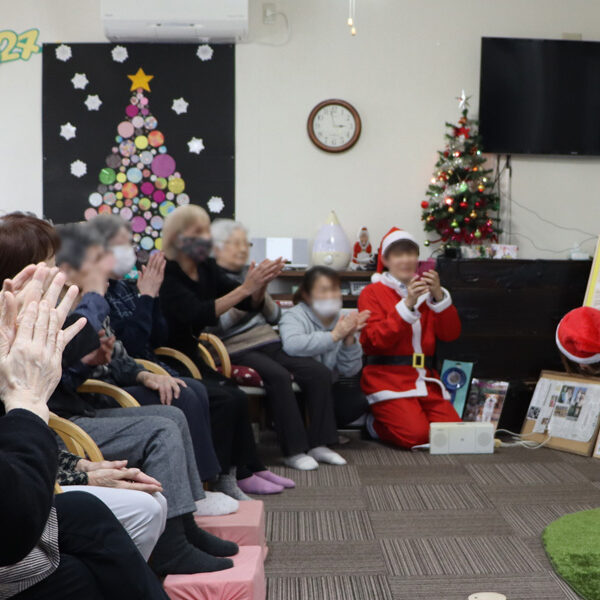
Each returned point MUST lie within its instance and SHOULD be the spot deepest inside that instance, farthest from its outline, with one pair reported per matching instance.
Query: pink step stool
(245, 581)
(246, 527)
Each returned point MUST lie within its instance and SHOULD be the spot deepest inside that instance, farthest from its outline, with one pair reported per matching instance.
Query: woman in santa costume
(578, 339)
(408, 314)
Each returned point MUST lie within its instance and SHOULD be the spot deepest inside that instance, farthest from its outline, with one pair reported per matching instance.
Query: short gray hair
(75, 239)
(107, 226)
(221, 230)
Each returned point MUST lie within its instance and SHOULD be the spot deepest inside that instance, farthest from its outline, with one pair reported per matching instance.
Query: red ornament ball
(424, 204)
(464, 204)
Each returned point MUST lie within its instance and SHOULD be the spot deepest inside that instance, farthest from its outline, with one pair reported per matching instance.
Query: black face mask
(197, 248)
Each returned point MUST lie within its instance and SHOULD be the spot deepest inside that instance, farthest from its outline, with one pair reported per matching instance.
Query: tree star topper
(463, 100)
(140, 80)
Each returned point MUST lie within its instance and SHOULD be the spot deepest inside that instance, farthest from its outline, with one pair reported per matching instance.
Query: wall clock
(334, 125)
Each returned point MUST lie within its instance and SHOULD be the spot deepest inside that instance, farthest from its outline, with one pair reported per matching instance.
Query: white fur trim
(577, 359)
(443, 304)
(396, 236)
(376, 277)
(410, 316)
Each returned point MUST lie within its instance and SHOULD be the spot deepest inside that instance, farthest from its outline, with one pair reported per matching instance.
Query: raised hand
(415, 288)
(31, 348)
(432, 279)
(103, 354)
(345, 326)
(151, 277)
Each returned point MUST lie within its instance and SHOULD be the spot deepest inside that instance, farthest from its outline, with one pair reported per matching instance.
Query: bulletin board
(137, 130)
(567, 407)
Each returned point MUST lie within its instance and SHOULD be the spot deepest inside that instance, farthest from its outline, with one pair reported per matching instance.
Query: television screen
(540, 96)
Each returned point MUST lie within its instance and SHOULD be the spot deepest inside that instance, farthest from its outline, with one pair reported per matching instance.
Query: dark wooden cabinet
(509, 311)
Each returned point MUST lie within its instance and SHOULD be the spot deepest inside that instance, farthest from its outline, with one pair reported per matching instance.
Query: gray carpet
(396, 525)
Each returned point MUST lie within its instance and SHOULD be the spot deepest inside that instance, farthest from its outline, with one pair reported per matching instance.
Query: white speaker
(461, 438)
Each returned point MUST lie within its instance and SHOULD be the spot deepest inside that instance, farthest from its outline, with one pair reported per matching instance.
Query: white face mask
(124, 259)
(327, 308)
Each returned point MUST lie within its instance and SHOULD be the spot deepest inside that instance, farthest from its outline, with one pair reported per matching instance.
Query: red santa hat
(395, 234)
(578, 335)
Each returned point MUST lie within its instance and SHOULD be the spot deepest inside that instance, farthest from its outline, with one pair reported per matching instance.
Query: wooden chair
(187, 362)
(254, 393)
(95, 386)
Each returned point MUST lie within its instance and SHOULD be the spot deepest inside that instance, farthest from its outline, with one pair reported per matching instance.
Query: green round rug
(573, 546)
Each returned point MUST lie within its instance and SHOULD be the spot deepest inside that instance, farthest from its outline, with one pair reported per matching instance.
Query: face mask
(327, 307)
(124, 259)
(197, 248)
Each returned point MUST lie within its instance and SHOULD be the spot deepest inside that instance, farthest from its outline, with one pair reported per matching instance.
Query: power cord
(529, 444)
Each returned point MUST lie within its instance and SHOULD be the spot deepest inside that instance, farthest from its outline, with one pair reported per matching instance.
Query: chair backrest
(185, 360)
(151, 366)
(95, 386)
(75, 439)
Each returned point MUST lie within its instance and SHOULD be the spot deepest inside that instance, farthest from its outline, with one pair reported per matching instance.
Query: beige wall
(402, 72)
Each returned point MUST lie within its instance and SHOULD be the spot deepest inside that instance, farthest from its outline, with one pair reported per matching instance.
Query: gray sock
(227, 483)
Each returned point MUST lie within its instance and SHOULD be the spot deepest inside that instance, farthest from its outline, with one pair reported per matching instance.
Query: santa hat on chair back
(395, 234)
(578, 335)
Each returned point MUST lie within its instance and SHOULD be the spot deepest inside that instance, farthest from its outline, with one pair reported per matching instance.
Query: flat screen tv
(540, 96)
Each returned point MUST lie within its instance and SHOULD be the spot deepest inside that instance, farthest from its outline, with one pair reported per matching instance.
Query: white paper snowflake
(63, 52)
(204, 52)
(79, 81)
(119, 54)
(196, 145)
(216, 204)
(179, 105)
(68, 131)
(93, 102)
(78, 168)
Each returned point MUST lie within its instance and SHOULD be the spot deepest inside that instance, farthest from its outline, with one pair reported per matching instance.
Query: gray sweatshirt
(303, 334)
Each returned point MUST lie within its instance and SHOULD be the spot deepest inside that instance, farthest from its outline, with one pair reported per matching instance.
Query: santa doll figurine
(362, 253)
(408, 314)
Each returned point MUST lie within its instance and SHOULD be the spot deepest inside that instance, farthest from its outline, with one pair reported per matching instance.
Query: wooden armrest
(76, 439)
(95, 386)
(57, 489)
(185, 360)
(151, 366)
(220, 349)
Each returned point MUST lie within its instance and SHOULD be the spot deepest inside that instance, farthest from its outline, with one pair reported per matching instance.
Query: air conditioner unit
(180, 21)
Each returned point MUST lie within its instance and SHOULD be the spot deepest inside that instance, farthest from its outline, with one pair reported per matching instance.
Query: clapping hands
(350, 324)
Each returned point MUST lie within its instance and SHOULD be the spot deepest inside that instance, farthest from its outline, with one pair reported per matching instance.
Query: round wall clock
(334, 125)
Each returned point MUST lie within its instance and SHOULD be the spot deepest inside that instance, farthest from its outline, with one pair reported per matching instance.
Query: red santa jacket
(393, 329)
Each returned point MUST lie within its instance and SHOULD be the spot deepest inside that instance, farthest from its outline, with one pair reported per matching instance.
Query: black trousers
(329, 405)
(98, 560)
(232, 435)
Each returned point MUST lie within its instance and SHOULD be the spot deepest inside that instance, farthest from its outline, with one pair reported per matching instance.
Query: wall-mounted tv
(540, 96)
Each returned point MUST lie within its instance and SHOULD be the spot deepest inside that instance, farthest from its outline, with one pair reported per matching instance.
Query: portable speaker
(461, 438)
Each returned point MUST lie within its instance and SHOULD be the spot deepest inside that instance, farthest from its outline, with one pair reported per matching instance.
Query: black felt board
(208, 86)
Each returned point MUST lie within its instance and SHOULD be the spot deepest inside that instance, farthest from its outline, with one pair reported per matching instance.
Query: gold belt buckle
(418, 360)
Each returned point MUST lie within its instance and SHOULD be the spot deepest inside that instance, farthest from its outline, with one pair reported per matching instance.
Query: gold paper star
(140, 80)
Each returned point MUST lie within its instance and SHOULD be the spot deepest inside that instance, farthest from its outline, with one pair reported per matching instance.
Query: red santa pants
(405, 421)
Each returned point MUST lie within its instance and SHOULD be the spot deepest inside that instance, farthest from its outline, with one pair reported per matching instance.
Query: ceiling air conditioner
(179, 21)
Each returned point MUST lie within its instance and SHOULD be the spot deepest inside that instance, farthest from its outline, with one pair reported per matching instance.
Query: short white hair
(221, 230)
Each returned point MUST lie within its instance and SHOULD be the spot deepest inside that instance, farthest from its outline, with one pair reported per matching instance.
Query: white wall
(402, 72)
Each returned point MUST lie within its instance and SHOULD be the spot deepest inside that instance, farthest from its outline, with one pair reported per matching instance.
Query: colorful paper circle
(107, 175)
(134, 175)
(104, 210)
(89, 213)
(109, 198)
(163, 165)
(113, 161)
(138, 224)
(165, 208)
(156, 222)
(158, 196)
(127, 148)
(125, 129)
(150, 122)
(131, 110)
(121, 177)
(156, 138)
(145, 203)
(182, 199)
(147, 188)
(130, 190)
(141, 141)
(95, 199)
(126, 213)
(176, 185)
(137, 122)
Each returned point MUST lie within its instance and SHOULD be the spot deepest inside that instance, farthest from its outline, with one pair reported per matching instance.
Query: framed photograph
(485, 401)
(565, 412)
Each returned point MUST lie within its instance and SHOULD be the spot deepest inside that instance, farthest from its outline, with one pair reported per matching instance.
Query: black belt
(417, 360)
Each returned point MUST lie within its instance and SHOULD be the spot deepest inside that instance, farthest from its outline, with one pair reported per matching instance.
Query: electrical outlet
(269, 13)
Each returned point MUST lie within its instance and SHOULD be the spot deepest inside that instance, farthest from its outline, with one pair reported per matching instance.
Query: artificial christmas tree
(140, 181)
(462, 207)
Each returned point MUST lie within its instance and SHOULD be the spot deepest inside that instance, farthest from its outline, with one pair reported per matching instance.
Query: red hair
(24, 239)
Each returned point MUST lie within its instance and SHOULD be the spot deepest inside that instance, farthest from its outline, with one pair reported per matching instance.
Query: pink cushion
(245, 376)
(246, 527)
(245, 581)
